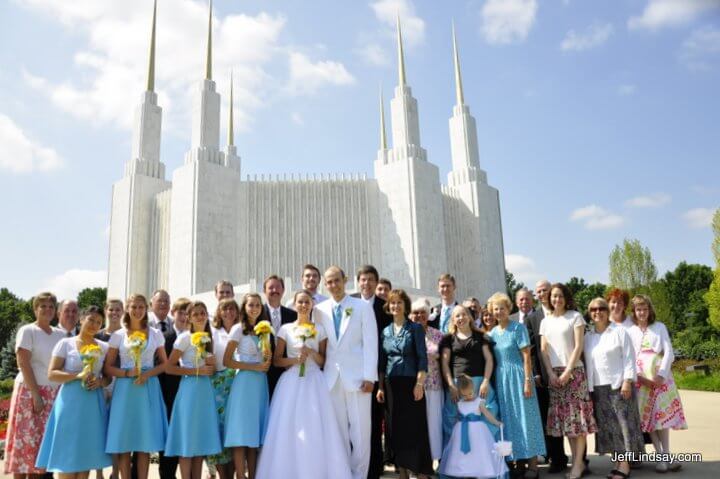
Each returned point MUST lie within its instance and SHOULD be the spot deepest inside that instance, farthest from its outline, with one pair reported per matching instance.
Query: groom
(350, 365)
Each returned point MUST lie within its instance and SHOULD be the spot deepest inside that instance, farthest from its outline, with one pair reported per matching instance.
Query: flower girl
(470, 452)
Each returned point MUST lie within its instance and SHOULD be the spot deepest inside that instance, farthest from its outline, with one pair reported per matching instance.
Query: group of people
(340, 386)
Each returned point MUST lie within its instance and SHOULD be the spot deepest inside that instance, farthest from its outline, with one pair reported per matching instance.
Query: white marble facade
(209, 223)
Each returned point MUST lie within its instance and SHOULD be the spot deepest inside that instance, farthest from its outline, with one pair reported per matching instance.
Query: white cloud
(699, 217)
(22, 155)
(308, 77)
(626, 89)
(373, 54)
(649, 201)
(523, 268)
(110, 67)
(596, 218)
(592, 37)
(670, 13)
(68, 284)
(297, 118)
(413, 27)
(701, 50)
(507, 21)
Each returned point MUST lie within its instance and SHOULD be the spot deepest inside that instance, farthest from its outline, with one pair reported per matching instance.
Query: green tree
(13, 311)
(712, 300)
(685, 287)
(716, 239)
(587, 294)
(511, 286)
(576, 285)
(92, 297)
(631, 265)
(8, 361)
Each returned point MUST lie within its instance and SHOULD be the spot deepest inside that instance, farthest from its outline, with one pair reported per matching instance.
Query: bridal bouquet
(306, 331)
(135, 343)
(89, 355)
(199, 339)
(263, 330)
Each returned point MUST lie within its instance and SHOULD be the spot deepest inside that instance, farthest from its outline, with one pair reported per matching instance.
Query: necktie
(337, 317)
(275, 316)
(445, 321)
(163, 326)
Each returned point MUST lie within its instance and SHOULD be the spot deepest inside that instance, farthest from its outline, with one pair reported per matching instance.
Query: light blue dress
(74, 439)
(138, 418)
(246, 415)
(520, 415)
(194, 428)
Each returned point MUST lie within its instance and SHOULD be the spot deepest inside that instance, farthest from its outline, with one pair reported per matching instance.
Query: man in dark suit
(554, 445)
(367, 280)
(440, 316)
(274, 289)
(169, 383)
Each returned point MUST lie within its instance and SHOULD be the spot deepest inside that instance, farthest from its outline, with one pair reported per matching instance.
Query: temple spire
(383, 137)
(208, 58)
(151, 61)
(231, 133)
(458, 78)
(401, 56)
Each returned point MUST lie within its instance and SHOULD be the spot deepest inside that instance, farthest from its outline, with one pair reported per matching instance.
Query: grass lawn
(697, 381)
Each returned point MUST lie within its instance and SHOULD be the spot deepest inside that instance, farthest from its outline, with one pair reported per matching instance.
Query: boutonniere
(348, 312)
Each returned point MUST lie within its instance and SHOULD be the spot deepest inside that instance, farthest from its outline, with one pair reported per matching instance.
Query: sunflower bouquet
(305, 332)
(200, 340)
(90, 354)
(135, 343)
(263, 330)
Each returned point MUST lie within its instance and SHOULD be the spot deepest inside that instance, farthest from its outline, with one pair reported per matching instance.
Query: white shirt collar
(370, 300)
(335, 303)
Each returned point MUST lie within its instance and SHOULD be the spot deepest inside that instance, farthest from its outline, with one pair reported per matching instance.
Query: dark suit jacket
(169, 383)
(287, 315)
(532, 322)
(434, 319)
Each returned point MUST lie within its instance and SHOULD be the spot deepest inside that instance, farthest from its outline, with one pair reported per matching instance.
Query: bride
(302, 438)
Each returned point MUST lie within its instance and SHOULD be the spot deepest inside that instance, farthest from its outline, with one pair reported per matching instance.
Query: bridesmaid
(246, 416)
(226, 316)
(515, 387)
(658, 397)
(138, 421)
(194, 431)
(33, 393)
(74, 441)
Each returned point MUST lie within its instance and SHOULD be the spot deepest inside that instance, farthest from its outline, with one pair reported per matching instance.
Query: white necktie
(276, 319)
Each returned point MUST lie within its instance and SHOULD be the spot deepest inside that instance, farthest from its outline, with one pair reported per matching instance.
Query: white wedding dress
(302, 439)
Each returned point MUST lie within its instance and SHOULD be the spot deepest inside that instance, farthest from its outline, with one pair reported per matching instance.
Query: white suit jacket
(353, 356)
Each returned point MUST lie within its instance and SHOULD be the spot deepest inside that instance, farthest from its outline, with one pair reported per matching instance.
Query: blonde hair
(500, 298)
(452, 328)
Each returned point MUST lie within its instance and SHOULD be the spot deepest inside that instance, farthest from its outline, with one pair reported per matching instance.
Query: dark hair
(224, 282)
(312, 267)
(302, 291)
(618, 294)
(180, 304)
(247, 328)
(402, 296)
(567, 294)
(126, 315)
(272, 277)
(447, 277)
(226, 303)
(90, 310)
(200, 304)
(386, 282)
(367, 269)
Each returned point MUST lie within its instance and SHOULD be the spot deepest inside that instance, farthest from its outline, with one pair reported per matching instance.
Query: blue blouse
(404, 354)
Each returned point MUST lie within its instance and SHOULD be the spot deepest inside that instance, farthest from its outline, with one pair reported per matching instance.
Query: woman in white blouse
(658, 398)
(226, 316)
(570, 412)
(138, 419)
(610, 366)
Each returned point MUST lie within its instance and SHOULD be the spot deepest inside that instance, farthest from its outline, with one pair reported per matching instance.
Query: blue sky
(597, 121)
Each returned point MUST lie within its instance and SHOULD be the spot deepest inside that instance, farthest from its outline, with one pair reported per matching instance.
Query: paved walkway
(702, 437)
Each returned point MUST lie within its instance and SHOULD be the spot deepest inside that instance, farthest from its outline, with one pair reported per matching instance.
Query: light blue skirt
(246, 415)
(138, 418)
(75, 432)
(194, 429)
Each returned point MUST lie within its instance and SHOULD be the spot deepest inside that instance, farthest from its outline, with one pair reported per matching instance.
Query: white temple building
(185, 233)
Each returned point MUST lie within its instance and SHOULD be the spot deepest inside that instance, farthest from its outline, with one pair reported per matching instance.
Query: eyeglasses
(596, 310)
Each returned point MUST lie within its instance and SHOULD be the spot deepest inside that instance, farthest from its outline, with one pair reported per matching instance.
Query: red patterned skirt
(571, 410)
(26, 428)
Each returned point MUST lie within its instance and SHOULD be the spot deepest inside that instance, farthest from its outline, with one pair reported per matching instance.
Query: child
(470, 452)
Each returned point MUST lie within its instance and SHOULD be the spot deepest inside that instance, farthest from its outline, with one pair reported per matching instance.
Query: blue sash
(465, 420)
